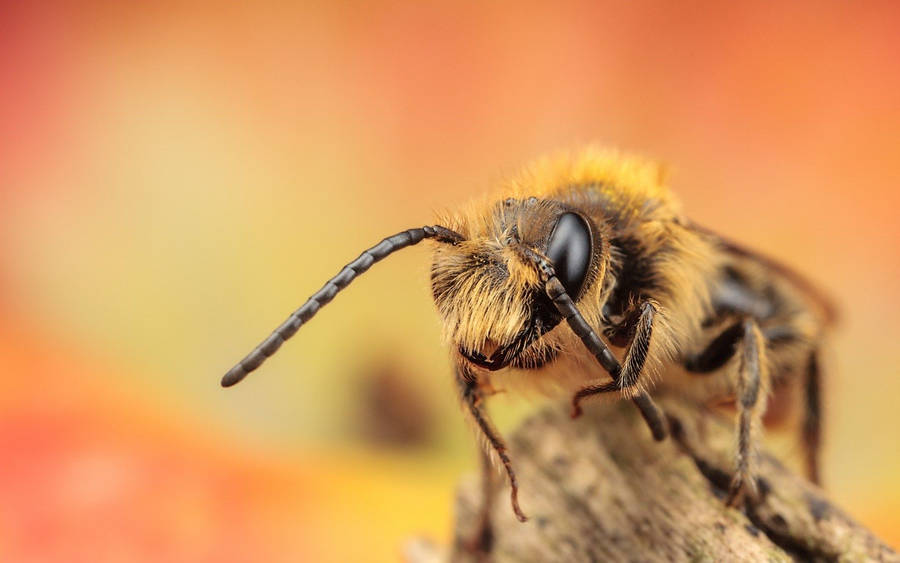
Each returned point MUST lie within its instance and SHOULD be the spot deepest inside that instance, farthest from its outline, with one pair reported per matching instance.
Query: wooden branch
(600, 489)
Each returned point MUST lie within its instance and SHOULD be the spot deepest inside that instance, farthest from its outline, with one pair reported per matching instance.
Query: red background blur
(176, 178)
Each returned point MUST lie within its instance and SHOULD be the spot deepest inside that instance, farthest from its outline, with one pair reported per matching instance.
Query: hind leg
(812, 417)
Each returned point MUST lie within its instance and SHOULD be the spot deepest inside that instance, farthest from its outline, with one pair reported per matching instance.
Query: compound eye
(570, 251)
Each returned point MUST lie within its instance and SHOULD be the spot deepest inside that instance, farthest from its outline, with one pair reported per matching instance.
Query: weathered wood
(600, 489)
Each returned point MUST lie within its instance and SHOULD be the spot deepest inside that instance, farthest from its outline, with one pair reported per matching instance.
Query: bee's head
(489, 292)
(491, 270)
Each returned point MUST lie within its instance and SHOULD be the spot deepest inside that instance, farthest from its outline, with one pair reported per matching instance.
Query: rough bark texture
(600, 489)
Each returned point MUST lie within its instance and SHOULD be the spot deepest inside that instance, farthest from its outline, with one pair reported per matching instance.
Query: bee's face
(488, 292)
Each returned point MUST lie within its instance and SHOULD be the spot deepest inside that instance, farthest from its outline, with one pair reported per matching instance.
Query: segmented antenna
(566, 307)
(297, 319)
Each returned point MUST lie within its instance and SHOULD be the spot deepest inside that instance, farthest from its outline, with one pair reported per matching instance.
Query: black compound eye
(570, 251)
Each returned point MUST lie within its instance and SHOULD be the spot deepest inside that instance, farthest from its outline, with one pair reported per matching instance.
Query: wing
(808, 289)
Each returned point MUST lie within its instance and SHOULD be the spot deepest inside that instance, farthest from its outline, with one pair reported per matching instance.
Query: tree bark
(601, 489)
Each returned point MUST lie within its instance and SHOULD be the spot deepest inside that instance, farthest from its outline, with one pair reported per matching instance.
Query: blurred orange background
(176, 178)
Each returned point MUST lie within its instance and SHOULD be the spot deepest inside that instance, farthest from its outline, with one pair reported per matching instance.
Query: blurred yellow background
(175, 179)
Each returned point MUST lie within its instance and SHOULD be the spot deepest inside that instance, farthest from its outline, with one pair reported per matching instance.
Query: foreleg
(472, 396)
(629, 375)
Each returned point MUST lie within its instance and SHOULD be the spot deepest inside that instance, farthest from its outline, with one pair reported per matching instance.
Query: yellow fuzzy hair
(478, 305)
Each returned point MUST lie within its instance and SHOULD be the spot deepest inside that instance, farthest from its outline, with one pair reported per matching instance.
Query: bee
(585, 276)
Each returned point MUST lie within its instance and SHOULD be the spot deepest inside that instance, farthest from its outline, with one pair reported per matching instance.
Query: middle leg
(745, 340)
(752, 388)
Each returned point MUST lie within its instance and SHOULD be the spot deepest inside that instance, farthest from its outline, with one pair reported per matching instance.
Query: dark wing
(801, 283)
